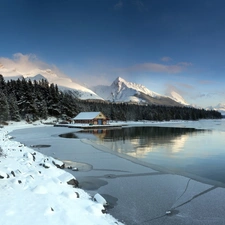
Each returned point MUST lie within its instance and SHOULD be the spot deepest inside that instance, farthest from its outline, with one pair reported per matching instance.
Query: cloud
(27, 65)
(119, 5)
(185, 64)
(157, 68)
(205, 95)
(166, 59)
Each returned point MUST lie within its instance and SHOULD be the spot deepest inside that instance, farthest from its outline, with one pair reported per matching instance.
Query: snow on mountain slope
(63, 82)
(178, 98)
(220, 107)
(119, 91)
(123, 91)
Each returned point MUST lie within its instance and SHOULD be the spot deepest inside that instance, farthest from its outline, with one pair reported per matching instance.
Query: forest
(23, 99)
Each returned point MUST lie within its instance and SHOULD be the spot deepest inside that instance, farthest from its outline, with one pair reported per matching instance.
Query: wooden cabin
(91, 118)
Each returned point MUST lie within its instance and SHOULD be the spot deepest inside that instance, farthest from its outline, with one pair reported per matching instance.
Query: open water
(195, 153)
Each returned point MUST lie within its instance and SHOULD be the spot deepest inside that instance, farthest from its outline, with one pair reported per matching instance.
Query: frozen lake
(135, 168)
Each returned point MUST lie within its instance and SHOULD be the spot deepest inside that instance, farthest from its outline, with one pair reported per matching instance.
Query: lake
(195, 153)
(138, 194)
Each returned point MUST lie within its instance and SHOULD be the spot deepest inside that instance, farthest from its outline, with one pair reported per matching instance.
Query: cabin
(91, 118)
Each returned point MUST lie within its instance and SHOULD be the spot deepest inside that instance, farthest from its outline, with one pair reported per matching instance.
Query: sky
(164, 45)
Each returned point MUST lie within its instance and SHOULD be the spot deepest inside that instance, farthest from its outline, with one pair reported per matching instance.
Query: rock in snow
(31, 193)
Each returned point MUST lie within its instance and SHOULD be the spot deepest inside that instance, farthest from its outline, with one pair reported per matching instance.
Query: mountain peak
(38, 77)
(124, 91)
(119, 80)
(221, 105)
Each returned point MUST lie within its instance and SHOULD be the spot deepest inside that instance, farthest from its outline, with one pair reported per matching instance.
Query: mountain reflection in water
(198, 154)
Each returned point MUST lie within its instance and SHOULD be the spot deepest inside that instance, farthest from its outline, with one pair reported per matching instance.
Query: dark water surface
(199, 154)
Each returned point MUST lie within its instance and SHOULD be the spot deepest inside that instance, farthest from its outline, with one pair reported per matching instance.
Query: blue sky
(163, 44)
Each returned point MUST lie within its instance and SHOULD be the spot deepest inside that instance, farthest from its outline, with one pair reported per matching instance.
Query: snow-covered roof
(86, 115)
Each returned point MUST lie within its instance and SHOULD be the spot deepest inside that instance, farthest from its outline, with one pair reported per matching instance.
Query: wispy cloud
(119, 5)
(157, 68)
(205, 95)
(184, 64)
(166, 59)
(27, 64)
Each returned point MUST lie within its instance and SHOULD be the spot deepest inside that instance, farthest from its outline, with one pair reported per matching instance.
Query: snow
(119, 91)
(34, 191)
(178, 98)
(220, 107)
(86, 115)
(64, 83)
(124, 91)
(14, 70)
(98, 198)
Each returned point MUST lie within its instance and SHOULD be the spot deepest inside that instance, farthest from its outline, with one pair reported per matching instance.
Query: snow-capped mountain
(122, 91)
(220, 107)
(64, 83)
(178, 98)
(119, 91)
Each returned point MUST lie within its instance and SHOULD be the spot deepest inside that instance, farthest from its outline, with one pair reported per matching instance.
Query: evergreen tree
(2, 83)
(35, 100)
(42, 109)
(4, 107)
(13, 108)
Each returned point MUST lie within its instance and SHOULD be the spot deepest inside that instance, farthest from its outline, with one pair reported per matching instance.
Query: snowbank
(34, 191)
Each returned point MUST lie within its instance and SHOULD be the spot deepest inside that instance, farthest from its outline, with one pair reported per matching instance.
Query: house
(93, 118)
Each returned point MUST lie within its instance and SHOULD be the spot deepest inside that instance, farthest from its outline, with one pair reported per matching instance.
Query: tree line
(31, 100)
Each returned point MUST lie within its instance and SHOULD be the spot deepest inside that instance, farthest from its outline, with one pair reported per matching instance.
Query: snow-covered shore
(34, 191)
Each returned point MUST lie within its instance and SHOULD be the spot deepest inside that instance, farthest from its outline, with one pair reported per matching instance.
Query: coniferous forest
(31, 100)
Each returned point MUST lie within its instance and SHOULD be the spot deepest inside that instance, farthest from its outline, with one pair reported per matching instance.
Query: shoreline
(31, 182)
(141, 194)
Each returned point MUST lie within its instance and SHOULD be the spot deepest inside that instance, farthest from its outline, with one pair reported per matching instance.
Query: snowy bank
(34, 191)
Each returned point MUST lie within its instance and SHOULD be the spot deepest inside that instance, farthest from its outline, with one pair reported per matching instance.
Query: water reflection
(92, 134)
(139, 141)
(190, 152)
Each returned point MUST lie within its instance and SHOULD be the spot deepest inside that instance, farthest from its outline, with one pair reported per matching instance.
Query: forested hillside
(32, 100)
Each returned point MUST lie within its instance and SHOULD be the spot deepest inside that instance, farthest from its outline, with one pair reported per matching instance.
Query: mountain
(122, 91)
(64, 83)
(178, 98)
(220, 107)
(119, 91)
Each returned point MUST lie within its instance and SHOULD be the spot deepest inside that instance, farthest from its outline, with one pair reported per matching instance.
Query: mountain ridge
(123, 91)
(220, 108)
(119, 91)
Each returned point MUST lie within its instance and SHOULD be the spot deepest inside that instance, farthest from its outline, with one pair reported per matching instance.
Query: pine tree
(13, 108)
(4, 107)
(42, 109)
(2, 83)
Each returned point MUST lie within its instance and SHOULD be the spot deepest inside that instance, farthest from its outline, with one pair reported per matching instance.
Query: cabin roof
(86, 115)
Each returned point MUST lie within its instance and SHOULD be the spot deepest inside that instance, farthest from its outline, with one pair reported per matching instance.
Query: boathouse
(91, 118)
